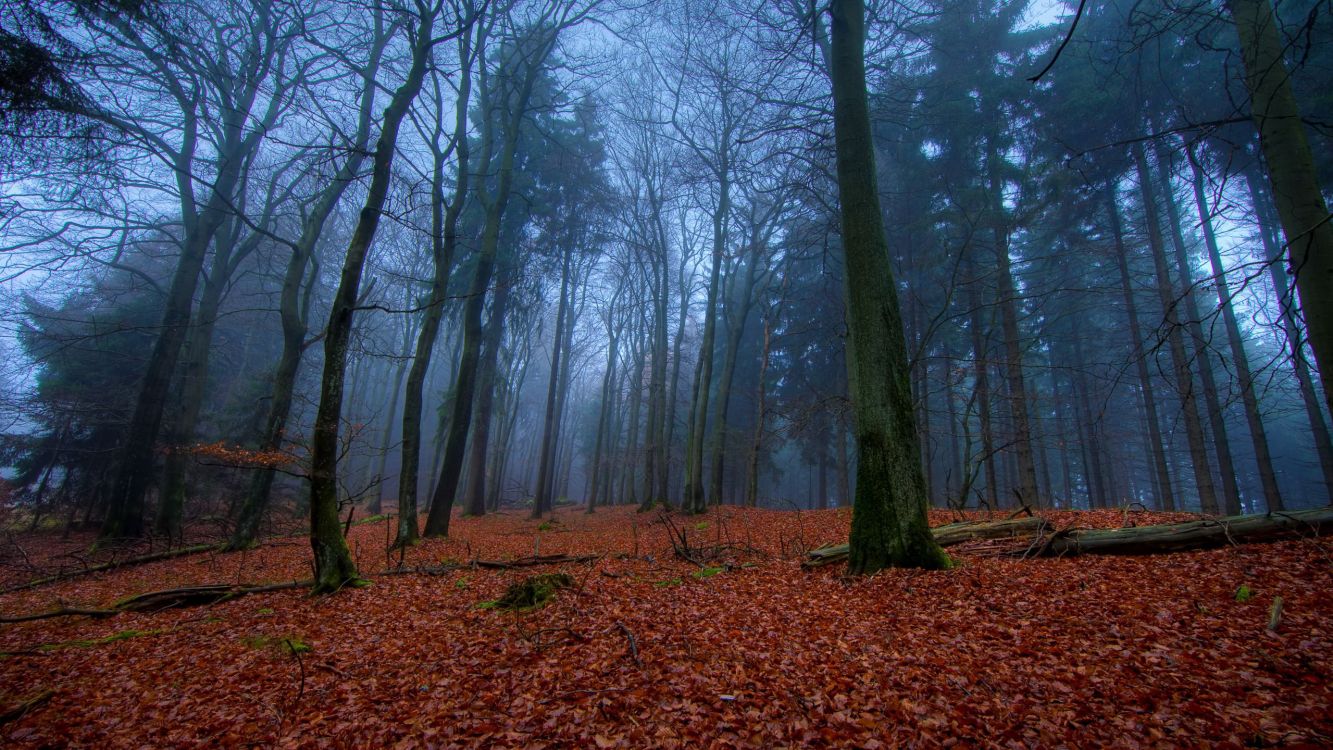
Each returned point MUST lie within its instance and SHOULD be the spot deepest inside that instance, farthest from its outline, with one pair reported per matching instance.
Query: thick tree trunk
(1291, 174)
(889, 526)
(125, 514)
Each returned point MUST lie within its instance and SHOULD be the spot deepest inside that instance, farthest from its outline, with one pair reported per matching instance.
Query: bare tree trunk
(1013, 345)
(294, 306)
(1184, 297)
(604, 410)
(444, 244)
(1166, 499)
(1184, 378)
(673, 399)
(694, 501)
(631, 455)
(514, 107)
(181, 426)
(742, 298)
(761, 411)
(981, 383)
(1258, 435)
(474, 493)
(542, 502)
(333, 562)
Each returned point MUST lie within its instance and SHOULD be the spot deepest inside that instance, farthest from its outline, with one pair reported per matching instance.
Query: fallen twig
(633, 644)
(62, 612)
(22, 709)
(113, 565)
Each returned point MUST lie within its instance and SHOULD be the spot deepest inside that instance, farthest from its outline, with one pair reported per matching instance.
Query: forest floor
(647, 650)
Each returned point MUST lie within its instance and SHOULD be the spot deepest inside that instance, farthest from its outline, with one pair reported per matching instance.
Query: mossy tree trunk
(889, 526)
(334, 567)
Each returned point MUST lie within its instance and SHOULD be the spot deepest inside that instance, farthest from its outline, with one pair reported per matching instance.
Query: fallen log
(947, 535)
(1205, 533)
(1191, 535)
(156, 601)
(198, 596)
(522, 562)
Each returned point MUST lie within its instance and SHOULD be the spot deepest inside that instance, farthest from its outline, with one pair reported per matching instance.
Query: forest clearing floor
(647, 650)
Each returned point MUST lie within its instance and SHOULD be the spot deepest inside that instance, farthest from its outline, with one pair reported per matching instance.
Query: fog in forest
(416, 258)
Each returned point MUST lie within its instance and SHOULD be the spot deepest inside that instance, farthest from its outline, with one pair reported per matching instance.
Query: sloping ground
(652, 651)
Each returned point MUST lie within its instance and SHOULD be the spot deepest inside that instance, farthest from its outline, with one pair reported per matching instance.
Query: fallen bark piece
(947, 535)
(1191, 535)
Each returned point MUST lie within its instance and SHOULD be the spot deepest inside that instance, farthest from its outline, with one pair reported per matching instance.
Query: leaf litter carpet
(648, 650)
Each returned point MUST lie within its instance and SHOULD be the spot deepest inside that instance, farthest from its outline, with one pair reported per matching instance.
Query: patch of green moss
(669, 582)
(371, 519)
(1244, 593)
(706, 573)
(533, 592)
